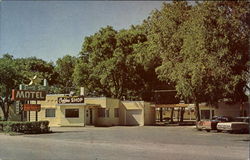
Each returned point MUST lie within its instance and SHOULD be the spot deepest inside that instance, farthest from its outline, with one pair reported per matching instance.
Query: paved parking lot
(125, 143)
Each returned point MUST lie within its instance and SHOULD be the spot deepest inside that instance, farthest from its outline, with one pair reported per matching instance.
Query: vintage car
(209, 125)
(239, 125)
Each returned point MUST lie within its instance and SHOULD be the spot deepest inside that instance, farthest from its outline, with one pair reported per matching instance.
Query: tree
(18, 71)
(31, 66)
(97, 61)
(205, 55)
(9, 78)
(162, 29)
(65, 68)
(110, 64)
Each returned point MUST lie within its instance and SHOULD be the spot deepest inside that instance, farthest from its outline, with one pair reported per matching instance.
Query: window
(87, 113)
(107, 112)
(71, 113)
(101, 112)
(116, 112)
(50, 112)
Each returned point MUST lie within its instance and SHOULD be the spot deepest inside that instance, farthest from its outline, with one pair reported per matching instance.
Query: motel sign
(28, 95)
(32, 107)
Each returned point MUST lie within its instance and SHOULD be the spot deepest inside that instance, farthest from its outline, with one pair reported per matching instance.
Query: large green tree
(65, 68)
(31, 66)
(204, 49)
(97, 63)
(111, 65)
(19, 71)
(9, 78)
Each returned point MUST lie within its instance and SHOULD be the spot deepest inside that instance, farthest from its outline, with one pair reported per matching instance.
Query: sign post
(37, 113)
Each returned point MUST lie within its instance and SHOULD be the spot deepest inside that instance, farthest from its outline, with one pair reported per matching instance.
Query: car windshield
(221, 118)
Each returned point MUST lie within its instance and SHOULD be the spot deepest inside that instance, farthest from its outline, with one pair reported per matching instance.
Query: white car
(240, 124)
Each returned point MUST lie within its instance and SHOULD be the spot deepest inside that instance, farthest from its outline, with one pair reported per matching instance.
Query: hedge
(25, 127)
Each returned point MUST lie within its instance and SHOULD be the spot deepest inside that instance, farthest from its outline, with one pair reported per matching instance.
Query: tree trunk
(241, 108)
(161, 114)
(172, 114)
(5, 109)
(2, 105)
(6, 116)
(182, 113)
(197, 111)
(178, 115)
(6, 105)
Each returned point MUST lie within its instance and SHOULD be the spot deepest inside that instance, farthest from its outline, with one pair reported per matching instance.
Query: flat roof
(171, 105)
(132, 106)
(55, 94)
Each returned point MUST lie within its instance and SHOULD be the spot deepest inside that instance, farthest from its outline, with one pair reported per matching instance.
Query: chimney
(45, 82)
(82, 91)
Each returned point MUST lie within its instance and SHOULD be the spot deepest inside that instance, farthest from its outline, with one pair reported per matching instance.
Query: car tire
(244, 131)
(208, 130)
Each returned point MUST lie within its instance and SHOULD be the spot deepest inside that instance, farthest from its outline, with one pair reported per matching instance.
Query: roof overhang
(80, 105)
(170, 105)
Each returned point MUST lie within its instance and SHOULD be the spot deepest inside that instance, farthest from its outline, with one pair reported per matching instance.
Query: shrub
(25, 127)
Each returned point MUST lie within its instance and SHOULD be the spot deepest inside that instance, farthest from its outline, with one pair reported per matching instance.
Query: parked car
(209, 125)
(239, 125)
(242, 119)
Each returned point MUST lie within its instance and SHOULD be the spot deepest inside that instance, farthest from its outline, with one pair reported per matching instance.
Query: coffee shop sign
(73, 99)
(28, 95)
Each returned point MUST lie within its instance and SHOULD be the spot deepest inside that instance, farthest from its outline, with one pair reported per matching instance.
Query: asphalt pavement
(125, 143)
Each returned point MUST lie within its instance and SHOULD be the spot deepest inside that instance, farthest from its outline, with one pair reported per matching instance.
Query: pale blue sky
(52, 29)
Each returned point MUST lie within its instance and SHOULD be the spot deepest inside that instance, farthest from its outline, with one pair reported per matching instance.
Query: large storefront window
(107, 112)
(71, 113)
(101, 112)
(50, 112)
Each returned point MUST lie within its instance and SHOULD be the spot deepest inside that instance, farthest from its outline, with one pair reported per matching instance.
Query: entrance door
(89, 116)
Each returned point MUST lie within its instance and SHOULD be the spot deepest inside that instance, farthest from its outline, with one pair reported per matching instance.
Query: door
(89, 116)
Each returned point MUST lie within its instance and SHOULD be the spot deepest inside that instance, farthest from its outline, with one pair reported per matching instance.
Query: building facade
(98, 111)
(206, 111)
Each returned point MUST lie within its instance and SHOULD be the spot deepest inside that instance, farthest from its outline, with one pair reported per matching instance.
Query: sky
(51, 29)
